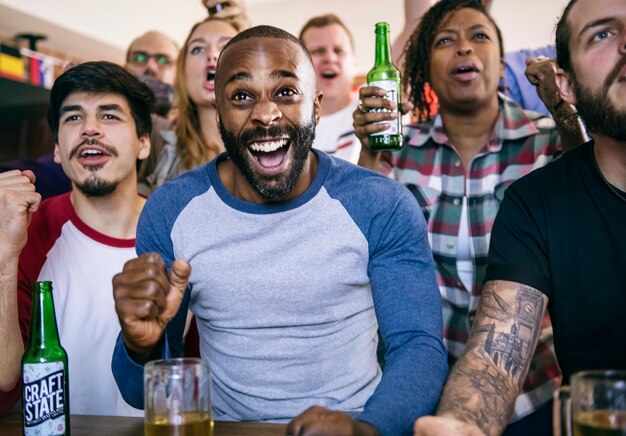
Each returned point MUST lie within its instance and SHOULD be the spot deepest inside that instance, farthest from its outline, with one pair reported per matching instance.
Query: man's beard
(96, 187)
(276, 187)
(597, 110)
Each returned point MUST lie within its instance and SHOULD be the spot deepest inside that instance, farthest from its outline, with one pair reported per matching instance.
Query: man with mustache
(99, 115)
(558, 243)
(307, 257)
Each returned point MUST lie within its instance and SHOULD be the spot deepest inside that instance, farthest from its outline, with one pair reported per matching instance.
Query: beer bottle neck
(383, 46)
(43, 331)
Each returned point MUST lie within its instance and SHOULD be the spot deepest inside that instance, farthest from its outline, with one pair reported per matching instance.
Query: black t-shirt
(562, 230)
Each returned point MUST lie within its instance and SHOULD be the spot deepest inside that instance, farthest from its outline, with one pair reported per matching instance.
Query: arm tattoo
(511, 350)
(483, 385)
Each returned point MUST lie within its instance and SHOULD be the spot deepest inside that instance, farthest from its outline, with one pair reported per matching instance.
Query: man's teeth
(268, 146)
(86, 153)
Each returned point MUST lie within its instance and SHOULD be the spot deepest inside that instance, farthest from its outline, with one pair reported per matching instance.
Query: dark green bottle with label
(45, 392)
(387, 76)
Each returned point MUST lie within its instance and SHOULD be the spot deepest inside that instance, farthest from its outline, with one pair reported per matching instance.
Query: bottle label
(392, 95)
(44, 398)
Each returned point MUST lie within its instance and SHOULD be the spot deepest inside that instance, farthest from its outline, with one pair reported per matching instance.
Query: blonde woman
(195, 138)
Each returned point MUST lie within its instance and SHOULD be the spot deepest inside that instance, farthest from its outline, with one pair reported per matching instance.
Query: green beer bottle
(46, 407)
(387, 76)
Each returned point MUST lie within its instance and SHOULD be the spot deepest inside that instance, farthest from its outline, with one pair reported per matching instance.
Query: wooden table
(124, 426)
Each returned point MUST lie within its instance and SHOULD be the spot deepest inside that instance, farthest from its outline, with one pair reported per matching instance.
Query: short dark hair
(563, 35)
(102, 78)
(417, 51)
(268, 32)
(326, 20)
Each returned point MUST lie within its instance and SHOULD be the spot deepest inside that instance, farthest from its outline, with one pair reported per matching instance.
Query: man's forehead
(154, 41)
(332, 30)
(251, 53)
(586, 12)
(87, 99)
(332, 34)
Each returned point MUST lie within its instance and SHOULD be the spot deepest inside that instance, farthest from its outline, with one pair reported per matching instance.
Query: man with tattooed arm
(558, 242)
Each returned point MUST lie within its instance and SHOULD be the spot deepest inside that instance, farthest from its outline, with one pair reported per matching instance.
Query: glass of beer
(593, 405)
(177, 397)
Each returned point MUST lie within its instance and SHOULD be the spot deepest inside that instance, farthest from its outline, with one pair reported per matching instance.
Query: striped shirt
(430, 167)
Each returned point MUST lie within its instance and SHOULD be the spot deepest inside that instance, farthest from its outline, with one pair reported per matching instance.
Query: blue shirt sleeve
(128, 374)
(408, 308)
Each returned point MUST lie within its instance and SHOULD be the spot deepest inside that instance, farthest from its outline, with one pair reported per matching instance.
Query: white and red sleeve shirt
(80, 262)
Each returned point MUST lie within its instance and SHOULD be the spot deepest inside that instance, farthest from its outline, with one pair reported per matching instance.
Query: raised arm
(147, 300)
(365, 123)
(18, 200)
(541, 72)
(480, 392)
(413, 11)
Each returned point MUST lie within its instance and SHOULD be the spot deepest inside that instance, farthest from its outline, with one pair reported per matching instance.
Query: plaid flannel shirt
(431, 169)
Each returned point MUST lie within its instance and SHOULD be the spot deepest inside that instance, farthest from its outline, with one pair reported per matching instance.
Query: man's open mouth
(270, 153)
(91, 155)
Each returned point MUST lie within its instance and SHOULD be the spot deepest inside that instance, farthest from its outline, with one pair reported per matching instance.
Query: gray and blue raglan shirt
(288, 296)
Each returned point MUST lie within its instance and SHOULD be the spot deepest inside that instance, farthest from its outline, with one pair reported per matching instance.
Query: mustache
(92, 141)
(614, 73)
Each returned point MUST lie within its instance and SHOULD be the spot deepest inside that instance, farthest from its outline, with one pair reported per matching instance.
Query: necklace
(620, 194)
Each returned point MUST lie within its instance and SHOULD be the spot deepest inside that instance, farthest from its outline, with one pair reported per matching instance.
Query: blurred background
(94, 30)
(84, 30)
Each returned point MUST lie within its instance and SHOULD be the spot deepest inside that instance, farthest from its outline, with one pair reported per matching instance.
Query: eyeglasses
(142, 58)
(218, 7)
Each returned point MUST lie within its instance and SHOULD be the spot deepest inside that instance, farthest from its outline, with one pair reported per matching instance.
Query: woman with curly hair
(458, 164)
